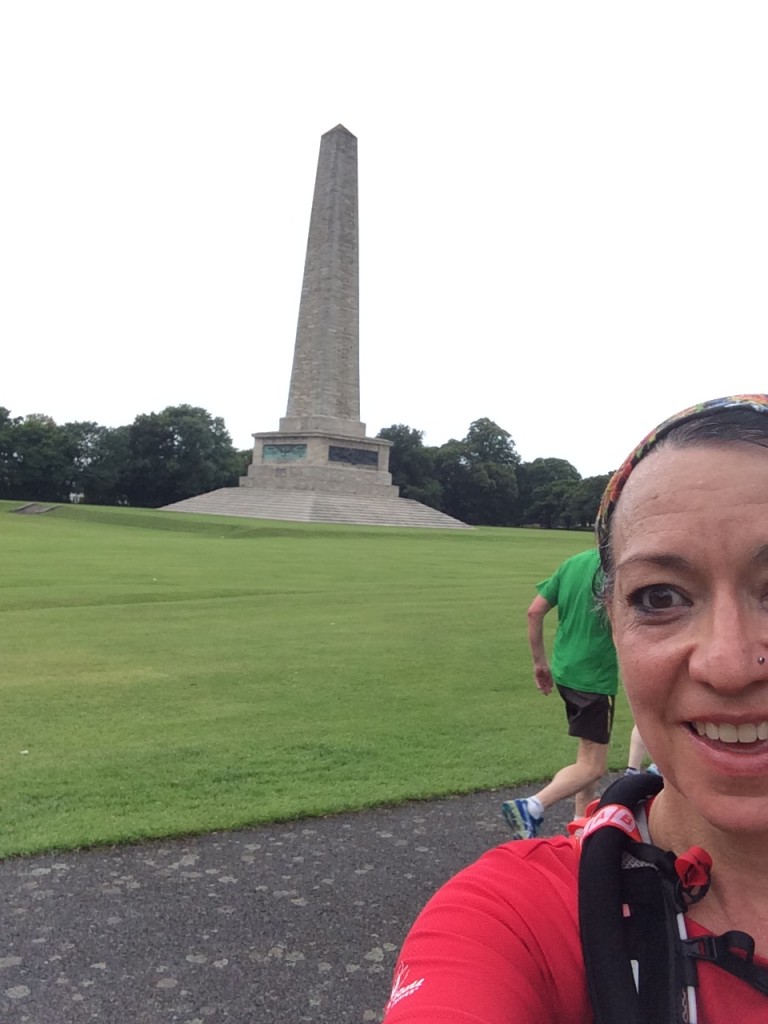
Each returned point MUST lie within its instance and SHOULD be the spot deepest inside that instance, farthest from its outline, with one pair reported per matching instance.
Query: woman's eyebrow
(667, 560)
(661, 560)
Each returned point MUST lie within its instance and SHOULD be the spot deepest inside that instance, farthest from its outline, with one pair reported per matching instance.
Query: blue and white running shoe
(520, 819)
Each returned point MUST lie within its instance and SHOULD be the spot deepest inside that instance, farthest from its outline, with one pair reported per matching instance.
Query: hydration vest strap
(609, 945)
(638, 967)
(731, 951)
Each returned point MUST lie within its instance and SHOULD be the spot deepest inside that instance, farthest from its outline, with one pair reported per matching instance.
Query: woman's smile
(744, 734)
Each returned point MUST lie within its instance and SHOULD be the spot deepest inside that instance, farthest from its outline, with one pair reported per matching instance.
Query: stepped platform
(34, 508)
(316, 507)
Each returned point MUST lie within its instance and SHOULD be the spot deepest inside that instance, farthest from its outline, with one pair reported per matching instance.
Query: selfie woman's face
(689, 612)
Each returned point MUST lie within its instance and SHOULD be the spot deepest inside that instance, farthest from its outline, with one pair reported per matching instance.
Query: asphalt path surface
(279, 924)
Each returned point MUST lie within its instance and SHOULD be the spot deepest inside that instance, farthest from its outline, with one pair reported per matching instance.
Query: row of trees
(482, 479)
(161, 457)
(183, 450)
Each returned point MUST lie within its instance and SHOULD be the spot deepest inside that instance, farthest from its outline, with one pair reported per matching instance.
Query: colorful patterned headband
(616, 484)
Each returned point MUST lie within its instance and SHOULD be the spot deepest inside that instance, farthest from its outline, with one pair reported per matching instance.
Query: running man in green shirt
(585, 671)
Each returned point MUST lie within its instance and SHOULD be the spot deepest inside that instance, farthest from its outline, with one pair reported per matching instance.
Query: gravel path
(279, 924)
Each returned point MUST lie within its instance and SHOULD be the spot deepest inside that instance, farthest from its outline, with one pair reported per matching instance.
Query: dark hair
(737, 423)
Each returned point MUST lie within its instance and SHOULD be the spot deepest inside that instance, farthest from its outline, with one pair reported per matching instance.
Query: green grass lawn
(165, 673)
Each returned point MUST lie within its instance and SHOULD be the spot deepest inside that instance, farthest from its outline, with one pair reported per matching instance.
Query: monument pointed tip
(339, 128)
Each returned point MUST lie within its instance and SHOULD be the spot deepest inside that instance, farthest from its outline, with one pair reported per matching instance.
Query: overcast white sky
(563, 209)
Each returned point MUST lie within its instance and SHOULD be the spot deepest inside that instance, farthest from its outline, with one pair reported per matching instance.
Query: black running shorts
(590, 715)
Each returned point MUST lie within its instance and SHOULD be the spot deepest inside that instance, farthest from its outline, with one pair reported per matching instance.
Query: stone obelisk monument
(325, 382)
(321, 444)
(319, 466)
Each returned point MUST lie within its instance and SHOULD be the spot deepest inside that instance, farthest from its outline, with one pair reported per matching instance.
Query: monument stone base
(317, 507)
(319, 477)
(321, 461)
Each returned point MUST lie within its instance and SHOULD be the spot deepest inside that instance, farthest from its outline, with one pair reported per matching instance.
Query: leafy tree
(585, 500)
(244, 459)
(550, 505)
(453, 475)
(412, 465)
(478, 475)
(39, 463)
(540, 473)
(100, 462)
(83, 440)
(545, 471)
(177, 453)
(7, 447)
(488, 443)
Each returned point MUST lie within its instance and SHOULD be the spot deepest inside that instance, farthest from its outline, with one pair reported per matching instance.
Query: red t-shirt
(499, 944)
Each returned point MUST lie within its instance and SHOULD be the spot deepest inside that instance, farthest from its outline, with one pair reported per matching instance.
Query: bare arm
(536, 613)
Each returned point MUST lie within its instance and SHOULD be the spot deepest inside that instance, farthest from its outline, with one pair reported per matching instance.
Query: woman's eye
(657, 598)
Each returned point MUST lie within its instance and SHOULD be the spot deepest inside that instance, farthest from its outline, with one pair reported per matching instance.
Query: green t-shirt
(583, 657)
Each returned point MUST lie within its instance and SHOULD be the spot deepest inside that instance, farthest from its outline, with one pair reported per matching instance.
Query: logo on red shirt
(400, 989)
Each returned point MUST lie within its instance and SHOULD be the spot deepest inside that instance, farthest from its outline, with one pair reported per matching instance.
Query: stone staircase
(34, 508)
(316, 507)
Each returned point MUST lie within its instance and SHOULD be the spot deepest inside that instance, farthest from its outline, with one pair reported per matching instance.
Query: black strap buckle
(720, 947)
(703, 947)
